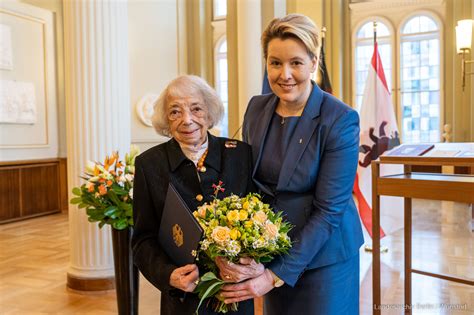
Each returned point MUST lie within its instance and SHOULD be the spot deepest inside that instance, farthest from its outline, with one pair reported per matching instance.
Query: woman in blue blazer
(305, 151)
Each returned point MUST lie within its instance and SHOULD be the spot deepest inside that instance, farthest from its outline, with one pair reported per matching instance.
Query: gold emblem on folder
(178, 235)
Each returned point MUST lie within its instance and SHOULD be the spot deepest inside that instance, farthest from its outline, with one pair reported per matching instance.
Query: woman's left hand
(247, 268)
(249, 289)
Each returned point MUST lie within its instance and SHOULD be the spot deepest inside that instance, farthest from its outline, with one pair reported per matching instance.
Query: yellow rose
(243, 215)
(221, 235)
(271, 230)
(260, 217)
(248, 224)
(195, 213)
(245, 205)
(234, 234)
(202, 211)
(255, 199)
(233, 215)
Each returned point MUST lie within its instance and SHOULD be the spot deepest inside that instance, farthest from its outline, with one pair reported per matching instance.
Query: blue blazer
(315, 184)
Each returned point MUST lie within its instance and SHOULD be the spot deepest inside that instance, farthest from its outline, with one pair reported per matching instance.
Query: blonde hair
(296, 26)
(183, 86)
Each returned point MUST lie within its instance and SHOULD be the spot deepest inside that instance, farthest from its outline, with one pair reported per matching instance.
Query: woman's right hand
(247, 268)
(185, 278)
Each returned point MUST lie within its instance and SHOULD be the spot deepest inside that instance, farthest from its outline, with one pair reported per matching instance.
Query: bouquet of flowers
(236, 227)
(107, 193)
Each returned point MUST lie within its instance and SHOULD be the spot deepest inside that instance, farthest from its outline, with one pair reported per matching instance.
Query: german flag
(322, 78)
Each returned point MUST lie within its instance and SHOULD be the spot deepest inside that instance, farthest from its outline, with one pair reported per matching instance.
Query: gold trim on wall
(46, 144)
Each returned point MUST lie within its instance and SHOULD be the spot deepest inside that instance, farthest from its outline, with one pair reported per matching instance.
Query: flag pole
(375, 34)
(376, 62)
(368, 248)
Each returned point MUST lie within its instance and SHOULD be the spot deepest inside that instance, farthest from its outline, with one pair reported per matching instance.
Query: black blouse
(278, 138)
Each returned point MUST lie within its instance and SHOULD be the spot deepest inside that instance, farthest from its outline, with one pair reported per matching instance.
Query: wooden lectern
(450, 187)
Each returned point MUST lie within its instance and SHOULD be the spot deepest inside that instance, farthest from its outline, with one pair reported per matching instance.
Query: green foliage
(236, 227)
(107, 192)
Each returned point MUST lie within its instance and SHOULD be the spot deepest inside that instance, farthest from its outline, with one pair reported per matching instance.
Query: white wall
(153, 51)
(34, 62)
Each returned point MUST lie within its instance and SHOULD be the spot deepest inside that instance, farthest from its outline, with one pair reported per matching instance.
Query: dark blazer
(154, 169)
(315, 183)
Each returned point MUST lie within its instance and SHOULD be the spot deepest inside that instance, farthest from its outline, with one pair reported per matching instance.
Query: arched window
(222, 83)
(420, 79)
(219, 9)
(364, 48)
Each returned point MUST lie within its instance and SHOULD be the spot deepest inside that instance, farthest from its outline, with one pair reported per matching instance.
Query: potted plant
(107, 196)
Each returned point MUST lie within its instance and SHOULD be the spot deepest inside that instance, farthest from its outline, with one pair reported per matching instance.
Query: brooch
(230, 144)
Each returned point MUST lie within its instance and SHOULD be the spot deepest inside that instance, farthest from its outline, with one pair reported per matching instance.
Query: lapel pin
(301, 140)
(230, 144)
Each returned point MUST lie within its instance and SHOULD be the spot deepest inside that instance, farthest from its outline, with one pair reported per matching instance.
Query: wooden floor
(34, 259)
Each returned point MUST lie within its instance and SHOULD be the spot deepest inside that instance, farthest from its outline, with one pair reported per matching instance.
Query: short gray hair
(183, 86)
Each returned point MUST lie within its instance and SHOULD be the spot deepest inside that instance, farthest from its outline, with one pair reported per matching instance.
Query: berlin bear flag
(378, 133)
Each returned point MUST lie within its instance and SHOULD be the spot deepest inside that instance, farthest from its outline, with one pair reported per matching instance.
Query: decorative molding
(144, 108)
(390, 4)
(45, 87)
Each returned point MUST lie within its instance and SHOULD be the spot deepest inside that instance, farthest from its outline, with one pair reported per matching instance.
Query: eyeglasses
(195, 110)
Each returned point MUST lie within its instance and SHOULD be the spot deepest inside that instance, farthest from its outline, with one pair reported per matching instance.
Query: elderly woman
(192, 160)
(305, 149)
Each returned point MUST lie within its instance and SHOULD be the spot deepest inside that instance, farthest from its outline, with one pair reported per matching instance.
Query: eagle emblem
(178, 235)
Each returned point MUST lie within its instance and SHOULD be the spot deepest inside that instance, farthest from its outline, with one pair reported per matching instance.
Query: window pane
(220, 8)
(222, 66)
(223, 47)
(420, 81)
(367, 30)
(221, 85)
(419, 24)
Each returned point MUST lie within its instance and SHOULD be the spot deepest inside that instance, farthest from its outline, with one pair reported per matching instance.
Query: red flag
(378, 133)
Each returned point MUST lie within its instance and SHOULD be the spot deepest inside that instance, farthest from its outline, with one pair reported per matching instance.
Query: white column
(249, 51)
(245, 59)
(97, 115)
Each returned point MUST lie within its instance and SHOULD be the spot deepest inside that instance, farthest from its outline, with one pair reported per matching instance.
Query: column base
(90, 284)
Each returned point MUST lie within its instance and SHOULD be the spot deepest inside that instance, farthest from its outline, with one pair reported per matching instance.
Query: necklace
(200, 164)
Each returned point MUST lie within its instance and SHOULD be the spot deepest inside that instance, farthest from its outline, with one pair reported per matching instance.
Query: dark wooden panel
(437, 169)
(426, 168)
(40, 189)
(63, 184)
(9, 194)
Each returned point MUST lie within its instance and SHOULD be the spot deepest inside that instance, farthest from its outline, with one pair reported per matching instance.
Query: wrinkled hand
(247, 268)
(185, 278)
(249, 289)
